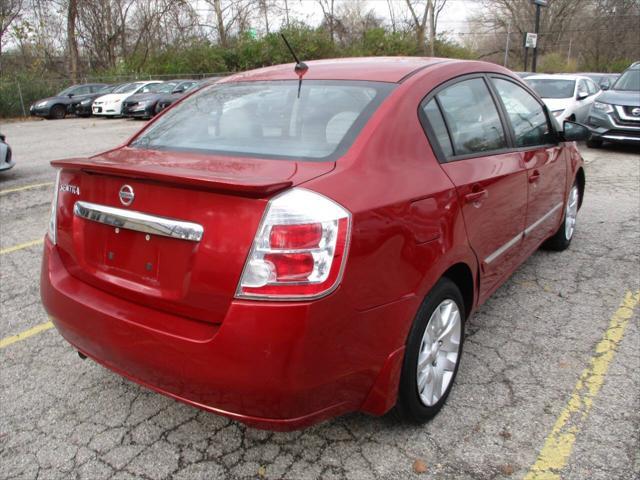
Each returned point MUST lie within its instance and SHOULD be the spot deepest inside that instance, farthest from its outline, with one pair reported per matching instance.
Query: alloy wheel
(439, 352)
(571, 213)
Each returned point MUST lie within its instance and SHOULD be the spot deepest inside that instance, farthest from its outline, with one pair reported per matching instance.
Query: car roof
(379, 69)
(557, 77)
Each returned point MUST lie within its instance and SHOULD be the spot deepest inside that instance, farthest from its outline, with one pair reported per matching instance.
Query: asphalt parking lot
(549, 385)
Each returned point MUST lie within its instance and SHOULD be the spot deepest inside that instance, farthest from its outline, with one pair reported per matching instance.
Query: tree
(419, 21)
(435, 7)
(598, 32)
(229, 15)
(9, 11)
(328, 11)
(72, 41)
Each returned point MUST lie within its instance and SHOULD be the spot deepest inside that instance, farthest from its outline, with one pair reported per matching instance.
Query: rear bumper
(273, 366)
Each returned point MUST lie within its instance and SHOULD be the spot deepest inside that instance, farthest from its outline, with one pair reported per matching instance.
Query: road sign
(531, 40)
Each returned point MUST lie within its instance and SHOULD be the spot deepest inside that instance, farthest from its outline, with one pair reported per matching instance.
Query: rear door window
(528, 118)
(472, 117)
(433, 117)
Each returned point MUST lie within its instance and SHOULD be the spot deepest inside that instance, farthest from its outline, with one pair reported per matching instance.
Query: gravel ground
(526, 348)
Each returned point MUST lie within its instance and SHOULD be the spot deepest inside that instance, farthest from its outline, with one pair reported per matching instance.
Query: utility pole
(539, 4)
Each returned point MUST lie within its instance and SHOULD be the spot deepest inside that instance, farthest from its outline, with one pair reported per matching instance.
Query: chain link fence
(18, 94)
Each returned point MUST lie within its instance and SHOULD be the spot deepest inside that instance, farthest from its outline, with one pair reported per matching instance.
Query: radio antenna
(301, 68)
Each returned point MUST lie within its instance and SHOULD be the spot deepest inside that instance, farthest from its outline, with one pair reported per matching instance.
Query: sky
(452, 18)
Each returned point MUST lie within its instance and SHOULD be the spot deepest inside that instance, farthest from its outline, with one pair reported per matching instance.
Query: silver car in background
(6, 162)
(568, 97)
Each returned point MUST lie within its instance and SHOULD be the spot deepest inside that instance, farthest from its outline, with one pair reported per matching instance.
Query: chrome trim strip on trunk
(138, 221)
(522, 234)
(531, 227)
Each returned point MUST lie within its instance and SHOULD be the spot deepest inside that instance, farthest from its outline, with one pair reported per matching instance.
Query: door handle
(474, 197)
(534, 177)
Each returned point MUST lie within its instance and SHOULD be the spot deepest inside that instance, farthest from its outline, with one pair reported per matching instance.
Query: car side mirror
(582, 95)
(574, 132)
(70, 95)
(604, 86)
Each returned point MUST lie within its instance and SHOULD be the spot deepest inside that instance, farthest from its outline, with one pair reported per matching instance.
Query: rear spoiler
(170, 174)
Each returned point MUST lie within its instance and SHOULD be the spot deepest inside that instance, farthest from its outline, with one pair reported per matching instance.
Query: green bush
(30, 88)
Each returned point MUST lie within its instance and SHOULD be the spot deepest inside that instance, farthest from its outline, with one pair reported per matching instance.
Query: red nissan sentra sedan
(282, 253)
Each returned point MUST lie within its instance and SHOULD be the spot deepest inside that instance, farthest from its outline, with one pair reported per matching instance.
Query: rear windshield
(552, 88)
(268, 119)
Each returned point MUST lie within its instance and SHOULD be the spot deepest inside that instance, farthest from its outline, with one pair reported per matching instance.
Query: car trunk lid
(107, 244)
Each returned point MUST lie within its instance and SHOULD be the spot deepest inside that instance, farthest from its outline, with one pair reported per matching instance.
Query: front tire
(58, 112)
(432, 354)
(563, 236)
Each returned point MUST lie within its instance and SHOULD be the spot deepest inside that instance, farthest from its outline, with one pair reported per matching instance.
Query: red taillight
(300, 248)
(295, 236)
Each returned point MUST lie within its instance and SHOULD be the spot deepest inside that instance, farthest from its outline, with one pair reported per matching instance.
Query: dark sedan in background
(58, 106)
(143, 105)
(6, 162)
(168, 98)
(83, 109)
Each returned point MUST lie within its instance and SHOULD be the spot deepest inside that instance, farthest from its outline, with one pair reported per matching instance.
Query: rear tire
(420, 395)
(58, 112)
(594, 143)
(563, 236)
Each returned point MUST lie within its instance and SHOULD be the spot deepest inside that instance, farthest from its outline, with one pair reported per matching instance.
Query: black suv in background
(615, 115)
(64, 102)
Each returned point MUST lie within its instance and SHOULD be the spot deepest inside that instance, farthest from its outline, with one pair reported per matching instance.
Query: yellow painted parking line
(22, 246)
(25, 187)
(558, 445)
(43, 327)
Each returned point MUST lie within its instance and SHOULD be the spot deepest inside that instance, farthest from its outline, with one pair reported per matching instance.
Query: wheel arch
(56, 105)
(462, 276)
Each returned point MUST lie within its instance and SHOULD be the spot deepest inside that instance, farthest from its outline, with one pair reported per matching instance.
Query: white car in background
(568, 97)
(110, 105)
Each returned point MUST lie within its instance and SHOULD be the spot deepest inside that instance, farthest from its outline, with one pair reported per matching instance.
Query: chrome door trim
(138, 221)
(535, 224)
(521, 235)
(503, 248)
